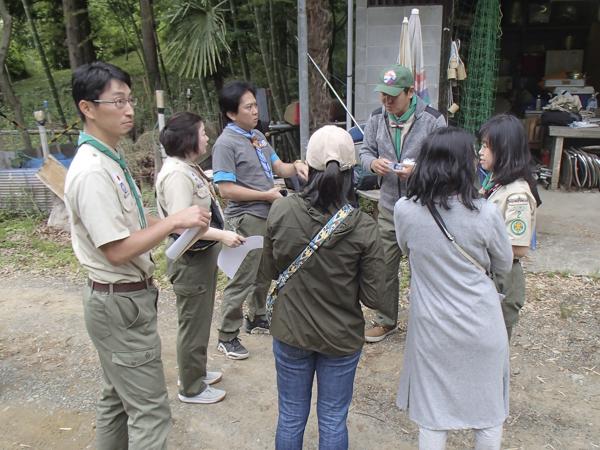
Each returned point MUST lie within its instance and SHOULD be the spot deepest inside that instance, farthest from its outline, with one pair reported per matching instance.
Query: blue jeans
(335, 382)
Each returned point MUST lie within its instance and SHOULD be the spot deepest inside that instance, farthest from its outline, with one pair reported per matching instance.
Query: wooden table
(559, 134)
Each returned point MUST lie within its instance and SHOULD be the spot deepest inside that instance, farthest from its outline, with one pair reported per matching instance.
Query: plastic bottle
(592, 103)
(538, 103)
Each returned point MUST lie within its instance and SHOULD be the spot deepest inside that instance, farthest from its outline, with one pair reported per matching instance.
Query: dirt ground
(50, 377)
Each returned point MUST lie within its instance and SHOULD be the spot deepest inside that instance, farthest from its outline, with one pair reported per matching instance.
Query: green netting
(477, 25)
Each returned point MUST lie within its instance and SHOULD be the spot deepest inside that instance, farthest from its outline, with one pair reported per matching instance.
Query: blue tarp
(36, 163)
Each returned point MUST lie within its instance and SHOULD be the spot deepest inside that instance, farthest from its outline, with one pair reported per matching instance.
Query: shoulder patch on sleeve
(518, 227)
(434, 112)
(517, 202)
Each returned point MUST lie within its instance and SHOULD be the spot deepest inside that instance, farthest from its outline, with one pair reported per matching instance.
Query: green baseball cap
(393, 80)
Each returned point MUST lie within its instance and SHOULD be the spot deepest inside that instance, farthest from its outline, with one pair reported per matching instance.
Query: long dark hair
(446, 166)
(331, 186)
(505, 135)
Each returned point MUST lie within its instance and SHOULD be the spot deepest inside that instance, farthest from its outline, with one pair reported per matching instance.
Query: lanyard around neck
(85, 138)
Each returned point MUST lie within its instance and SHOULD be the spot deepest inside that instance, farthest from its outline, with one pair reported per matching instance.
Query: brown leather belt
(121, 287)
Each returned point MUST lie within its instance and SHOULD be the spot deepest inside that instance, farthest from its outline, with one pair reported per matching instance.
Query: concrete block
(431, 34)
(360, 93)
(430, 15)
(383, 36)
(432, 53)
(361, 4)
(361, 36)
(382, 55)
(360, 55)
(360, 74)
(383, 17)
(361, 17)
(432, 73)
(360, 112)
(373, 73)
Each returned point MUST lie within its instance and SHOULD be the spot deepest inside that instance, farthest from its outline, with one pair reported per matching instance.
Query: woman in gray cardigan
(456, 364)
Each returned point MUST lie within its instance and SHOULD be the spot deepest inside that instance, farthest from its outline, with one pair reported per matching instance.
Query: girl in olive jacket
(317, 322)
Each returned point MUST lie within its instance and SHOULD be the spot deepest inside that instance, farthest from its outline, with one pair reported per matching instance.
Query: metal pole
(160, 105)
(49, 120)
(40, 119)
(189, 99)
(350, 65)
(303, 77)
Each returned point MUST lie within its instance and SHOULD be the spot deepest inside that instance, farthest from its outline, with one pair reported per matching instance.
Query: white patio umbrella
(404, 55)
(418, 61)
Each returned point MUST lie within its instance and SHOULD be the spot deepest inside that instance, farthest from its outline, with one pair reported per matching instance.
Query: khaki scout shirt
(518, 207)
(179, 185)
(102, 210)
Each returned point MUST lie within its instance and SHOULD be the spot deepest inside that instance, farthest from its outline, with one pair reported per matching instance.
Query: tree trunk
(275, 53)
(76, 56)
(206, 95)
(85, 27)
(78, 28)
(319, 38)
(5, 84)
(240, 46)
(44, 61)
(150, 52)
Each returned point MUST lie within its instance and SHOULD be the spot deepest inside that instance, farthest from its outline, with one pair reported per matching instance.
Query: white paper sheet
(230, 259)
(181, 244)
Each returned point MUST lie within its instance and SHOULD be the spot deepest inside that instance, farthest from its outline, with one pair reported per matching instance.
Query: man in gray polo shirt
(243, 166)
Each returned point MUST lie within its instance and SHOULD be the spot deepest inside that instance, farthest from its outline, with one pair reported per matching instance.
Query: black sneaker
(259, 326)
(233, 349)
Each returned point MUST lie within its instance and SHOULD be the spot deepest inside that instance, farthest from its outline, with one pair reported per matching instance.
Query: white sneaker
(211, 378)
(208, 396)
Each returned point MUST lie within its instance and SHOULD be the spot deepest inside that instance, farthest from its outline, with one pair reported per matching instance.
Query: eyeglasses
(120, 103)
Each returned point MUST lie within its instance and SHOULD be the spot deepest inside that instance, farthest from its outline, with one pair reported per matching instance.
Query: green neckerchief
(85, 138)
(488, 183)
(401, 121)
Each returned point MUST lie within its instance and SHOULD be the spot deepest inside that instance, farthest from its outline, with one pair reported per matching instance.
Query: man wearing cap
(393, 137)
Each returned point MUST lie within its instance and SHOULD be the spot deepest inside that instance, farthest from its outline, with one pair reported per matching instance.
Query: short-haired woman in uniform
(182, 183)
(505, 155)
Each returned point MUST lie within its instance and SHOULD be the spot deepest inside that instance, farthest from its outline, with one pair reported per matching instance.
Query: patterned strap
(312, 246)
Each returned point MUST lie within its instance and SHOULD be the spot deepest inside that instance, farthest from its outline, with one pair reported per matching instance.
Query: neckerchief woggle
(397, 125)
(489, 186)
(85, 138)
(254, 140)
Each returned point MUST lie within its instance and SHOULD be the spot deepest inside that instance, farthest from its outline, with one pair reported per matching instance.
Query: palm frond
(199, 33)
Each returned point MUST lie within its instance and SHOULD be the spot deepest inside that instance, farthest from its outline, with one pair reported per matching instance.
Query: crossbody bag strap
(440, 222)
(312, 247)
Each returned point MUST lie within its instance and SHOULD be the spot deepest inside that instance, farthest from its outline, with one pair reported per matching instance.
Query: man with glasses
(244, 164)
(112, 238)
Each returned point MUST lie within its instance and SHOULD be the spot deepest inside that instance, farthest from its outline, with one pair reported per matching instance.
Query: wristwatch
(296, 162)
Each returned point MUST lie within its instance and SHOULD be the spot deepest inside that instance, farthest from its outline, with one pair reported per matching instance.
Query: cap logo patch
(389, 77)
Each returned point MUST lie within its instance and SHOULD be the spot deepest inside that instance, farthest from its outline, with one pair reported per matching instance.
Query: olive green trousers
(133, 410)
(512, 285)
(247, 283)
(387, 314)
(194, 278)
